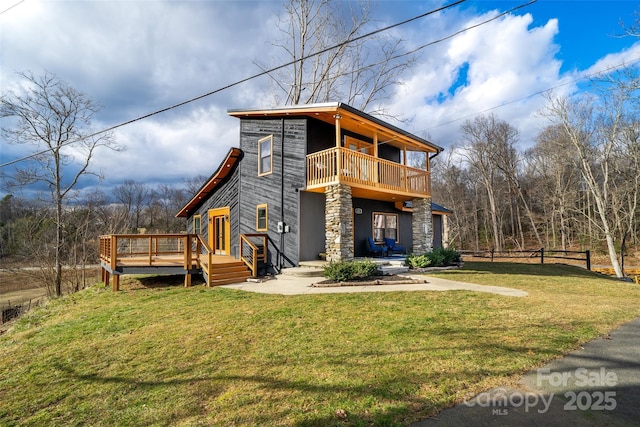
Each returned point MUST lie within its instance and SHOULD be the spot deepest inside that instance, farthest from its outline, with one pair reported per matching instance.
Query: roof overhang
(350, 119)
(225, 168)
(439, 209)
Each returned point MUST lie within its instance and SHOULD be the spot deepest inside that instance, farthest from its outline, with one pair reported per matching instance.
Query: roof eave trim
(210, 185)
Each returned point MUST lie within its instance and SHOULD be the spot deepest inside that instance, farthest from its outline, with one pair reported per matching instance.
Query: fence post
(541, 255)
(588, 255)
(492, 250)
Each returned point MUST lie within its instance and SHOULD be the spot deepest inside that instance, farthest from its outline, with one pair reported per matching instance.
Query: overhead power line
(238, 82)
(11, 7)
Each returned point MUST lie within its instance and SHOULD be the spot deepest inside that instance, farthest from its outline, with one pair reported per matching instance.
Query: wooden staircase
(223, 270)
(226, 273)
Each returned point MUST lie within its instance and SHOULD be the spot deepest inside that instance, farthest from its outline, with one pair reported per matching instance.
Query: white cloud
(614, 61)
(136, 57)
(504, 60)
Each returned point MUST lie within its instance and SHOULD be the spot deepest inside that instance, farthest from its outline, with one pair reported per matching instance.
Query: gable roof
(350, 118)
(225, 168)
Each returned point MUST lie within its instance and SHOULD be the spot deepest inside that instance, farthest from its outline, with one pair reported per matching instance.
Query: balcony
(369, 176)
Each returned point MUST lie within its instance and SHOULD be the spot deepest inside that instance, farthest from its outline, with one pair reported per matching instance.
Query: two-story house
(317, 179)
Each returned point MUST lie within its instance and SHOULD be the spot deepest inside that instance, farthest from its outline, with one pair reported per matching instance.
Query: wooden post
(198, 251)
(187, 260)
(116, 283)
(338, 145)
(107, 278)
(210, 260)
(376, 178)
(150, 250)
(114, 253)
(187, 253)
(588, 256)
(541, 255)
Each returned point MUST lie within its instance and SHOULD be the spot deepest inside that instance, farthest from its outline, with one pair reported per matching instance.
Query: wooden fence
(542, 254)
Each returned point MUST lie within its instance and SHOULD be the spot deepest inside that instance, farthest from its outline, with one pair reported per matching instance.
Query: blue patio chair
(376, 249)
(393, 247)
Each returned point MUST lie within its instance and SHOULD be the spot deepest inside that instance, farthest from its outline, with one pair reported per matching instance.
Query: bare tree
(359, 72)
(167, 201)
(55, 119)
(603, 130)
(551, 161)
(481, 136)
(135, 197)
(454, 187)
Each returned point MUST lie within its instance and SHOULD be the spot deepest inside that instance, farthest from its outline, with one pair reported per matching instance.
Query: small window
(265, 154)
(385, 226)
(197, 224)
(262, 218)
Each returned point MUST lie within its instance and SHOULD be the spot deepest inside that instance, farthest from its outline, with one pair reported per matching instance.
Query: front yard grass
(198, 356)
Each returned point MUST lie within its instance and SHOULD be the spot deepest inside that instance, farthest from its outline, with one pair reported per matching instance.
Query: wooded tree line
(28, 227)
(576, 187)
(132, 207)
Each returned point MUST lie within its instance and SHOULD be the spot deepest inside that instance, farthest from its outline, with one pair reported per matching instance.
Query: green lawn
(197, 356)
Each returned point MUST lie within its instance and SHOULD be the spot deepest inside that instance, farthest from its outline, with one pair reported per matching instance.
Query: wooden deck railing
(204, 255)
(347, 166)
(150, 249)
(253, 248)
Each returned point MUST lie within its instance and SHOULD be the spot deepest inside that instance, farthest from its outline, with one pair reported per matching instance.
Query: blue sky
(135, 57)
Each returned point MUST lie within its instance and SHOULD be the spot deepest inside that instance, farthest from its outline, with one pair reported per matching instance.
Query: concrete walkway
(292, 285)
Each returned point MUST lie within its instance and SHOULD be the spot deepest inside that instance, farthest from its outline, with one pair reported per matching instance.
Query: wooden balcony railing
(341, 165)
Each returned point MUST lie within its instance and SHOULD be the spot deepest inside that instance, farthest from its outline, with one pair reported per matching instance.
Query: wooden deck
(171, 254)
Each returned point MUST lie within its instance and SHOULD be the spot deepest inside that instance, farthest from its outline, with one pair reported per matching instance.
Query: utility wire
(11, 7)
(470, 27)
(180, 104)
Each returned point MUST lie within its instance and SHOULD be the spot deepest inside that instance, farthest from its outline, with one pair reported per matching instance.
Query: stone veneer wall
(422, 226)
(339, 223)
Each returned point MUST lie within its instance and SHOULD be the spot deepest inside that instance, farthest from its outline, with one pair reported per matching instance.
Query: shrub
(418, 261)
(348, 270)
(364, 269)
(439, 257)
(449, 256)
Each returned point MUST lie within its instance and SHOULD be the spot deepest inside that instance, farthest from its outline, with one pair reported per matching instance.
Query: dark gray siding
(363, 224)
(280, 189)
(437, 231)
(226, 194)
(312, 225)
(321, 136)
(389, 152)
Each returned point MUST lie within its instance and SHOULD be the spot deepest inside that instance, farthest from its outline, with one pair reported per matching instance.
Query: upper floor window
(265, 155)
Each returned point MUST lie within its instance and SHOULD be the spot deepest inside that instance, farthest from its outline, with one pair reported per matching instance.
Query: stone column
(338, 223)
(422, 225)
